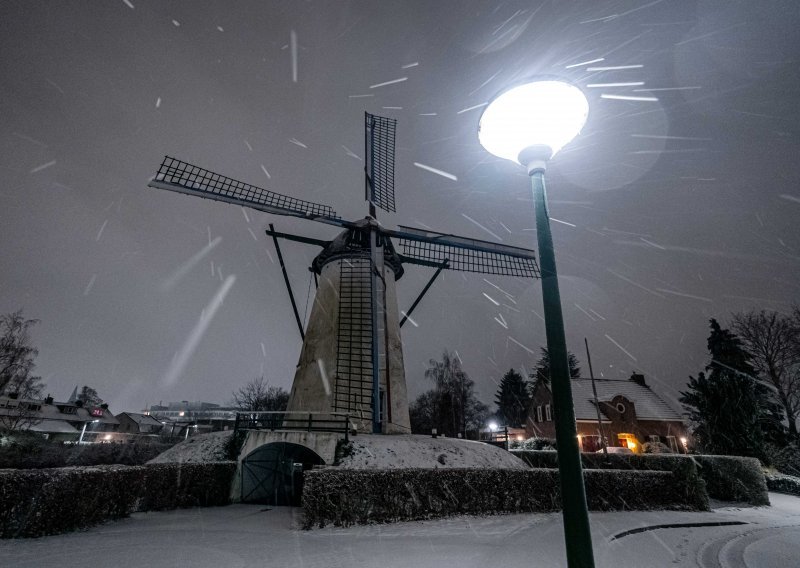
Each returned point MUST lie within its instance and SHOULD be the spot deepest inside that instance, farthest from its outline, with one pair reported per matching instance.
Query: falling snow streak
(652, 244)
(263, 350)
(588, 315)
(492, 300)
(158, 102)
(562, 222)
(358, 96)
(657, 137)
(252, 234)
(193, 340)
(43, 167)
(499, 289)
(351, 153)
(629, 281)
(582, 63)
(683, 295)
(176, 23)
(323, 375)
(411, 321)
(501, 321)
(471, 220)
(537, 314)
(392, 82)
(615, 68)
(100, 232)
(463, 110)
(628, 98)
(89, 285)
(409, 65)
(435, 171)
(621, 348)
(187, 266)
(521, 345)
(244, 212)
(668, 89)
(293, 44)
(788, 197)
(297, 142)
(128, 4)
(486, 82)
(249, 147)
(266, 173)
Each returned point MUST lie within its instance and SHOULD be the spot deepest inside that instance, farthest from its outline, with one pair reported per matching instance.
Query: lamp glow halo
(544, 112)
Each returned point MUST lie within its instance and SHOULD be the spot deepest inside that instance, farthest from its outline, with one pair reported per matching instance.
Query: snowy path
(242, 536)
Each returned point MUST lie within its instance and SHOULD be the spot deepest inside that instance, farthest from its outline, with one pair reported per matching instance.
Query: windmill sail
(182, 177)
(430, 248)
(379, 161)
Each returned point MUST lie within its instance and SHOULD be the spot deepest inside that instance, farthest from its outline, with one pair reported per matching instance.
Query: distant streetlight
(528, 124)
(83, 431)
(492, 426)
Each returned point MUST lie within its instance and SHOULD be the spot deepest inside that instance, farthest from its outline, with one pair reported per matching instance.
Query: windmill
(351, 360)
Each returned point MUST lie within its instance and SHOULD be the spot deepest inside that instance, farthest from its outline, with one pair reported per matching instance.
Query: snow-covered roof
(649, 406)
(53, 427)
(142, 419)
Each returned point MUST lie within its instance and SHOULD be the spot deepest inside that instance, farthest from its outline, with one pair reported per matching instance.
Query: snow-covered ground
(202, 448)
(244, 536)
(399, 451)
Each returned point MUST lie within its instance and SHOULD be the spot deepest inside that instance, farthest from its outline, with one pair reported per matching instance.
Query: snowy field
(242, 536)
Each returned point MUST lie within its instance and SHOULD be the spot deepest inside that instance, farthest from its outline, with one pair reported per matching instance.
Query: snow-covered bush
(782, 483)
(728, 478)
(37, 502)
(656, 448)
(532, 444)
(347, 496)
(786, 459)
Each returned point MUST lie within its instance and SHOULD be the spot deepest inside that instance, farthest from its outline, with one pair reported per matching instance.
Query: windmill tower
(352, 360)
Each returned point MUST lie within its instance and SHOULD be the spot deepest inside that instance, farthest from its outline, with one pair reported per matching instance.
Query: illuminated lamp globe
(533, 121)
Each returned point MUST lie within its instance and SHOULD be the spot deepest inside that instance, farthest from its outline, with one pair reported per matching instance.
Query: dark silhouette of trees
(17, 355)
(541, 371)
(730, 410)
(89, 397)
(451, 407)
(257, 396)
(773, 342)
(513, 398)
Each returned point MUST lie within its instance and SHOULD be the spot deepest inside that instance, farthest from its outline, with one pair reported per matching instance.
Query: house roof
(53, 427)
(142, 419)
(649, 406)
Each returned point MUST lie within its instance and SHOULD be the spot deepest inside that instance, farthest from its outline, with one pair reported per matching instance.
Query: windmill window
(539, 413)
(620, 408)
(547, 412)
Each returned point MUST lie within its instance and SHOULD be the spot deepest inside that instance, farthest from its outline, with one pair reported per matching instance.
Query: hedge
(354, 496)
(782, 483)
(24, 454)
(728, 478)
(38, 502)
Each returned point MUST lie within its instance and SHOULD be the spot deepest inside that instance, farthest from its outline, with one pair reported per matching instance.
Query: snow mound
(404, 451)
(197, 449)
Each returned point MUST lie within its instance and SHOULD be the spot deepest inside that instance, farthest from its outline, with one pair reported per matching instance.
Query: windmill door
(272, 474)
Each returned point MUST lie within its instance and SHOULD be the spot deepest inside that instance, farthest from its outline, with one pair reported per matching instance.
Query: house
(135, 424)
(631, 414)
(189, 418)
(63, 421)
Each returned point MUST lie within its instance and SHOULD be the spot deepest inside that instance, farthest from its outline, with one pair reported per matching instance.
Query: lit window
(547, 412)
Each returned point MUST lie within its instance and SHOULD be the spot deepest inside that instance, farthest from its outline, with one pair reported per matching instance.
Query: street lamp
(528, 124)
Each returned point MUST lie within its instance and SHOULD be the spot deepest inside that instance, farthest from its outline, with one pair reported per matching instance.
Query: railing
(336, 422)
(497, 438)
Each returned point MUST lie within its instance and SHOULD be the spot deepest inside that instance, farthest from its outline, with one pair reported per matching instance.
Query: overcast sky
(665, 212)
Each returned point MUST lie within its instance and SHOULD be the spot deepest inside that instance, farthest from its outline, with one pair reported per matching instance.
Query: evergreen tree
(513, 399)
(542, 370)
(730, 410)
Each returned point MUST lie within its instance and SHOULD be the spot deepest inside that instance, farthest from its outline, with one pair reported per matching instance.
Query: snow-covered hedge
(347, 496)
(37, 502)
(728, 478)
(782, 483)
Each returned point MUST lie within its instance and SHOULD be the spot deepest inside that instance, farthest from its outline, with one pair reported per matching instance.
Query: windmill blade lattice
(182, 177)
(379, 163)
(430, 248)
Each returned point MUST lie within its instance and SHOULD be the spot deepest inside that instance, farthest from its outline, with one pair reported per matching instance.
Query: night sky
(665, 212)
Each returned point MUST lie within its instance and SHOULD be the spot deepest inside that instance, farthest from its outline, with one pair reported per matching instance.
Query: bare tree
(89, 397)
(16, 352)
(256, 395)
(773, 341)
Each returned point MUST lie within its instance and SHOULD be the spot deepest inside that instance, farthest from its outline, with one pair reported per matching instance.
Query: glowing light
(492, 426)
(549, 113)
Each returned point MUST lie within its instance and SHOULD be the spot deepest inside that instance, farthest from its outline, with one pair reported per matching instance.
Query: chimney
(48, 400)
(638, 378)
(79, 403)
(13, 395)
(104, 406)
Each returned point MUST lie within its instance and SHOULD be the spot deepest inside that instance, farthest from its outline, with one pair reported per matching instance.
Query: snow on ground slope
(398, 451)
(197, 449)
(254, 536)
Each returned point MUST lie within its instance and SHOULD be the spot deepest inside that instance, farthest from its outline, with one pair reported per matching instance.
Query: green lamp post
(528, 124)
